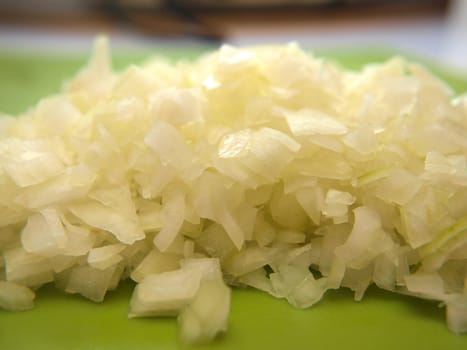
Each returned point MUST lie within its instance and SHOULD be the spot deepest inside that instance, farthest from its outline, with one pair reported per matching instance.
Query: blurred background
(433, 29)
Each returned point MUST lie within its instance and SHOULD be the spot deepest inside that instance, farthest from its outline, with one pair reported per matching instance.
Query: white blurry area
(454, 44)
(443, 39)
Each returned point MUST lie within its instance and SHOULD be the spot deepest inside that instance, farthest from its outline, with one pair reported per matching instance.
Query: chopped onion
(248, 167)
(15, 297)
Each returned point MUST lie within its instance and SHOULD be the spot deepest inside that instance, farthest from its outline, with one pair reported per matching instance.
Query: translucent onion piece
(263, 167)
(15, 297)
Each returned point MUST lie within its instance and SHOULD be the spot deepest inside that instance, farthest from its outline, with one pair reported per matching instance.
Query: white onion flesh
(15, 297)
(247, 166)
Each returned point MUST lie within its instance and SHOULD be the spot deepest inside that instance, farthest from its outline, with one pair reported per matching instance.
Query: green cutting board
(257, 321)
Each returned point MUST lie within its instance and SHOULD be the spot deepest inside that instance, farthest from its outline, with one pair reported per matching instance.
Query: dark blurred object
(208, 18)
(161, 17)
(218, 19)
(251, 5)
(63, 15)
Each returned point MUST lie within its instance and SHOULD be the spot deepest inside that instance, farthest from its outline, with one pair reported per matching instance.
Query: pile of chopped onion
(261, 167)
